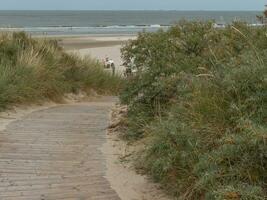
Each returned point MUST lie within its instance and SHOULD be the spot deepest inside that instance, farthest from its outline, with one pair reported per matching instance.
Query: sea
(110, 22)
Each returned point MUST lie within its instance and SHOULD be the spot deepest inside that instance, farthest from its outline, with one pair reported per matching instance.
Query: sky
(132, 4)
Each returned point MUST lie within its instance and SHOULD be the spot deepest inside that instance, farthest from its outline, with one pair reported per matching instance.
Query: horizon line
(230, 10)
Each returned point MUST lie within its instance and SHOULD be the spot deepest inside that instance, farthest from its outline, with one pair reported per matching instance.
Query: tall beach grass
(38, 69)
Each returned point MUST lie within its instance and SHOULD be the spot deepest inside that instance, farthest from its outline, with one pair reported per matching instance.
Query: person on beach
(106, 63)
(112, 65)
(109, 63)
(128, 70)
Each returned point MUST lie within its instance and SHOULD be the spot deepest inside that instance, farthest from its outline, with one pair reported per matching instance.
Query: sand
(98, 47)
(85, 42)
(120, 163)
(100, 53)
(122, 176)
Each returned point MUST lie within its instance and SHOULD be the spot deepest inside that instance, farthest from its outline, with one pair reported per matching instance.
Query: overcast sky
(132, 4)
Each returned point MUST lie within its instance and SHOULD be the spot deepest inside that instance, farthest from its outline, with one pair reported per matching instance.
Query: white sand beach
(98, 47)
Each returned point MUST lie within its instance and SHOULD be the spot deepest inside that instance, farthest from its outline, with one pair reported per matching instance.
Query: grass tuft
(38, 69)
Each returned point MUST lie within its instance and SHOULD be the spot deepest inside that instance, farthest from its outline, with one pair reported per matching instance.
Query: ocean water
(109, 22)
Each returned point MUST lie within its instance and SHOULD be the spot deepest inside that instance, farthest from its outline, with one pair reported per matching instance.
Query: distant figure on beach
(112, 65)
(109, 63)
(128, 70)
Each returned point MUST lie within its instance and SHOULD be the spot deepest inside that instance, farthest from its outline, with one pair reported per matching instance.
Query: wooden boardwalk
(55, 154)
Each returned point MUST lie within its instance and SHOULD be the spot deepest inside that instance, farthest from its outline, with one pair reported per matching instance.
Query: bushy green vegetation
(199, 99)
(38, 69)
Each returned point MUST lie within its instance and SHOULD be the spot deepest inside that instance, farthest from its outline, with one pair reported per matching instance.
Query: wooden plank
(54, 154)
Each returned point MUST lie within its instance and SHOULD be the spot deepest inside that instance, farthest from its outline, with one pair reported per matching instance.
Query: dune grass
(199, 99)
(38, 69)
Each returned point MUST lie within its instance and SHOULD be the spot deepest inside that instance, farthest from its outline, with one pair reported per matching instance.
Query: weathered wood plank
(55, 154)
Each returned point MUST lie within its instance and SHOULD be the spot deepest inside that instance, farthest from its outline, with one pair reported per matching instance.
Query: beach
(97, 46)
(133, 100)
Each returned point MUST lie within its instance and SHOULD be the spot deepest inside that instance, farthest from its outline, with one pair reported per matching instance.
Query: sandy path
(63, 151)
(55, 153)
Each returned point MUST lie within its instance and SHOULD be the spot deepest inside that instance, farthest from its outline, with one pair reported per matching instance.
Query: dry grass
(34, 70)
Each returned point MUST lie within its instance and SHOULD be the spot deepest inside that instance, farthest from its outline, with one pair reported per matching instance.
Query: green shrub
(204, 94)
